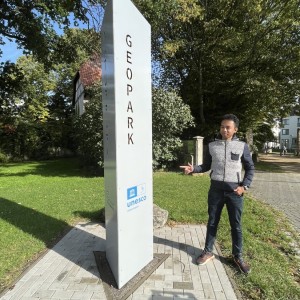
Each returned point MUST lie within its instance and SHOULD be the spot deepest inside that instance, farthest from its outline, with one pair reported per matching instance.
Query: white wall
(293, 123)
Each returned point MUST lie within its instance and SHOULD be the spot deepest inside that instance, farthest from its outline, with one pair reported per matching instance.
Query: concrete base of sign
(110, 286)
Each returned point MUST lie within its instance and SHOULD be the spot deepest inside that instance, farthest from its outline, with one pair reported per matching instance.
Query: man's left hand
(239, 190)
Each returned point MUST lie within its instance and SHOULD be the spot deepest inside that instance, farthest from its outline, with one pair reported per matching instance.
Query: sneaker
(204, 258)
(244, 267)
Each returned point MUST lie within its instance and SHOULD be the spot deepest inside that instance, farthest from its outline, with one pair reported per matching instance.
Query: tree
(32, 23)
(37, 101)
(71, 50)
(10, 77)
(228, 56)
(90, 146)
(36, 84)
(262, 134)
(26, 109)
(10, 85)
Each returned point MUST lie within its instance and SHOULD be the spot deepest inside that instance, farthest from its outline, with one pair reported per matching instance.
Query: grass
(268, 236)
(268, 167)
(40, 200)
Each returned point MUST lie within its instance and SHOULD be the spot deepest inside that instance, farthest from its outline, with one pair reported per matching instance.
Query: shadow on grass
(66, 167)
(267, 167)
(50, 230)
(39, 225)
(95, 216)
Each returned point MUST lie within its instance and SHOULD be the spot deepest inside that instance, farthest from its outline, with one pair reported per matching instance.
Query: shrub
(170, 117)
(3, 157)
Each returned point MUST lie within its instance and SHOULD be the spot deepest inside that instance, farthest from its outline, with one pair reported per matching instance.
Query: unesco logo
(136, 195)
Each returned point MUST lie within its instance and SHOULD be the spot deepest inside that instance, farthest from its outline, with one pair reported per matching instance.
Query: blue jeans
(234, 204)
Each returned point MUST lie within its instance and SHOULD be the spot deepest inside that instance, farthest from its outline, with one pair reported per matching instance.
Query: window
(294, 141)
(285, 121)
(298, 122)
(285, 131)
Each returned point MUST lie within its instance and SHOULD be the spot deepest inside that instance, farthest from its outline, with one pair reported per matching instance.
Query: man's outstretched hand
(187, 169)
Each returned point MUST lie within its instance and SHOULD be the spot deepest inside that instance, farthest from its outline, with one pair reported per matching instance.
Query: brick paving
(69, 271)
(280, 190)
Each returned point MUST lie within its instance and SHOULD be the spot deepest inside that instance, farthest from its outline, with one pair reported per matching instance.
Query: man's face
(227, 129)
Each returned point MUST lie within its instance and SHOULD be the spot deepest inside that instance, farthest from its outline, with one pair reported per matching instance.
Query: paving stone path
(280, 190)
(69, 271)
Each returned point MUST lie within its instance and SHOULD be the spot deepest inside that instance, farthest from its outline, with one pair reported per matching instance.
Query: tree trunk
(201, 109)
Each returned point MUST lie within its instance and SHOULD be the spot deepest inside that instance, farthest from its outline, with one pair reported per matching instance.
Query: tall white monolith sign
(127, 134)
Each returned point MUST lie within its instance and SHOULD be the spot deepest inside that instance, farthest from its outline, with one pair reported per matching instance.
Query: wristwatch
(246, 187)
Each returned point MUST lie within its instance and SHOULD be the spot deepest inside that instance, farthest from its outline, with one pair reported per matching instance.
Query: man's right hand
(187, 169)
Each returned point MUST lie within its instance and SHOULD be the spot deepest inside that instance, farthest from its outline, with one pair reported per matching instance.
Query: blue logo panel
(131, 192)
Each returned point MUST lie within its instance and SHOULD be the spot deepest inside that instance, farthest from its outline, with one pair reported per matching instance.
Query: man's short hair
(233, 118)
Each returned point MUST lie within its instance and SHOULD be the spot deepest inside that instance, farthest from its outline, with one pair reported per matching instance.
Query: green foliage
(89, 129)
(25, 111)
(31, 23)
(36, 102)
(10, 85)
(263, 133)
(225, 56)
(3, 157)
(36, 85)
(75, 43)
(170, 117)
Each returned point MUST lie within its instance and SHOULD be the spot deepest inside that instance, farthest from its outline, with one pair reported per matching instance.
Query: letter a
(129, 107)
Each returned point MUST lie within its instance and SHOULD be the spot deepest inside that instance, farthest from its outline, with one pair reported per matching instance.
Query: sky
(10, 51)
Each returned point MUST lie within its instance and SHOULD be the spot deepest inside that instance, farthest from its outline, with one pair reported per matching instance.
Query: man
(225, 158)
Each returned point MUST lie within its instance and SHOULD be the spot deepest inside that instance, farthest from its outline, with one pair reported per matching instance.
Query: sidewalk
(280, 190)
(69, 271)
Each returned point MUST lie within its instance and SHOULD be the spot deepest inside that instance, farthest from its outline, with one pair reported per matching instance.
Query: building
(289, 133)
(89, 73)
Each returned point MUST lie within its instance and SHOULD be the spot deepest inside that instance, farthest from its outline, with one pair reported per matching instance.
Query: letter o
(129, 73)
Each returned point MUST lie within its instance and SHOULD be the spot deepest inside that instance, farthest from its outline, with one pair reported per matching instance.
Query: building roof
(90, 71)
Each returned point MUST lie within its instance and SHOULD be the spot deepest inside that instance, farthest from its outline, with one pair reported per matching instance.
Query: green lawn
(268, 167)
(40, 200)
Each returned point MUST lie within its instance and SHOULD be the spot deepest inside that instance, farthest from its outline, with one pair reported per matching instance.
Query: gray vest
(226, 160)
